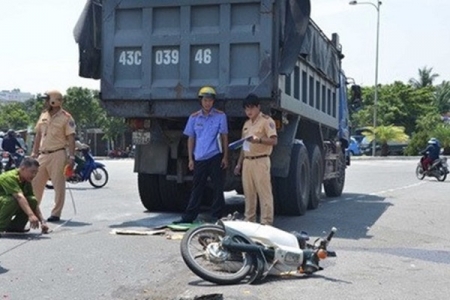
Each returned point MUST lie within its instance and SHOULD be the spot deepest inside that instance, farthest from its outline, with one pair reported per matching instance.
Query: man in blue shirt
(207, 132)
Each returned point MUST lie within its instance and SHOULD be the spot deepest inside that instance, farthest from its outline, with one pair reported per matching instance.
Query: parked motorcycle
(117, 153)
(11, 160)
(438, 169)
(92, 171)
(230, 251)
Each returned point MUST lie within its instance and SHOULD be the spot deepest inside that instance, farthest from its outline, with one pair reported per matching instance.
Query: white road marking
(399, 188)
(380, 192)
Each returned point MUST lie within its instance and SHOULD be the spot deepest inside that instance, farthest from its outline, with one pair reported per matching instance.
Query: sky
(38, 51)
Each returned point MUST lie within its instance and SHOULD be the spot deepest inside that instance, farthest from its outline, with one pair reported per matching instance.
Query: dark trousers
(426, 162)
(202, 170)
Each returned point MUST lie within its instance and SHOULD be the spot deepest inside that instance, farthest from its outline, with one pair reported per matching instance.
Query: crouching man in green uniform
(17, 202)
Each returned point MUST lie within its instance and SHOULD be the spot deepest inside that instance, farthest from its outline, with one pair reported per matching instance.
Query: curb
(109, 158)
(364, 157)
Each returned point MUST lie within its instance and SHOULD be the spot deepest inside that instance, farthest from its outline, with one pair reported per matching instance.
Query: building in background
(14, 95)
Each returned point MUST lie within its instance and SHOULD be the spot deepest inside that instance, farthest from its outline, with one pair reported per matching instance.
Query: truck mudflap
(87, 34)
(295, 26)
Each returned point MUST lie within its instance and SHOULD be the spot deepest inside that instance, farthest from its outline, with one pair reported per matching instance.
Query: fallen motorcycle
(438, 169)
(231, 251)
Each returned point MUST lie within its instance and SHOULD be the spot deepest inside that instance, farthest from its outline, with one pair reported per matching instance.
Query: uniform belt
(51, 151)
(256, 157)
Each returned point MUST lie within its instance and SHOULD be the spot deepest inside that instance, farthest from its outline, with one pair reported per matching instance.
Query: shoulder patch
(272, 125)
(72, 123)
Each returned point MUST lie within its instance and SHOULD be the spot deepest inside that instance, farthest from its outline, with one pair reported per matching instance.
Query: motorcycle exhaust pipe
(228, 243)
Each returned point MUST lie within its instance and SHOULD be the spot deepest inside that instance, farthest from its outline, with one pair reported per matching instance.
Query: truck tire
(334, 187)
(149, 192)
(316, 176)
(175, 195)
(292, 193)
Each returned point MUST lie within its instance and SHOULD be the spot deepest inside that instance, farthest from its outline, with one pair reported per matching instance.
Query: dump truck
(152, 57)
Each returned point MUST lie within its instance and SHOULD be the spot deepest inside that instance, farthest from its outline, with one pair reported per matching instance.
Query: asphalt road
(392, 243)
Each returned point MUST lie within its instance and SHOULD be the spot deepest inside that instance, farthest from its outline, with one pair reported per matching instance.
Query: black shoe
(53, 219)
(17, 230)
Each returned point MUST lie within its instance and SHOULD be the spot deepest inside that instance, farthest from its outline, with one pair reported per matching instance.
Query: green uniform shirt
(10, 184)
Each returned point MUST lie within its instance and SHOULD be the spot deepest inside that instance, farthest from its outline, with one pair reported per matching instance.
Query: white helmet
(54, 97)
(433, 141)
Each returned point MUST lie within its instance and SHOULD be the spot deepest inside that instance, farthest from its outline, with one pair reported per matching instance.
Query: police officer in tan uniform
(254, 160)
(55, 136)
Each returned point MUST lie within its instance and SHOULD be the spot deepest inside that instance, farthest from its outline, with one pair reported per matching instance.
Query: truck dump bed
(164, 50)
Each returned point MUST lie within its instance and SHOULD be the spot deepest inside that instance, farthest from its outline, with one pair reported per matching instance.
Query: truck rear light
(278, 124)
(136, 124)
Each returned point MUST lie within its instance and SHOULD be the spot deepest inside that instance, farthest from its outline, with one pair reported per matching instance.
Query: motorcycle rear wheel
(98, 177)
(202, 252)
(420, 174)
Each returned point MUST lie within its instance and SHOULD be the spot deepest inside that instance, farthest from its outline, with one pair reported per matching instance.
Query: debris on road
(138, 232)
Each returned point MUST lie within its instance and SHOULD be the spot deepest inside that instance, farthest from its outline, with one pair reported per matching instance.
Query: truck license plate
(141, 137)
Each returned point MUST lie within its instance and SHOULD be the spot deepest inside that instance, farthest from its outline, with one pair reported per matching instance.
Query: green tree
(84, 106)
(14, 116)
(442, 97)
(34, 108)
(384, 134)
(114, 129)
(398, 104)
(442, 133)
(426, 78)
(425, 126)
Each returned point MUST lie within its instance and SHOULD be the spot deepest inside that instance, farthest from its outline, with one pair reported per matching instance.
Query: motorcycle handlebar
(331, 234)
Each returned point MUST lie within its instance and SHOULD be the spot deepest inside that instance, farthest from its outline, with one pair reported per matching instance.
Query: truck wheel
(175, 195)
(333, 187)
(149, 192)
(292, 193)
(316, 176)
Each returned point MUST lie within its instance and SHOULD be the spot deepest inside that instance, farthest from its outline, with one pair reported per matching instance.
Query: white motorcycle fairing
(266, 234)
(287, 249)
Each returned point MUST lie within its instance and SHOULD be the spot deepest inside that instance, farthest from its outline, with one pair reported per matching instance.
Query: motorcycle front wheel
(442, 174)
(98, 177)
(202, 252)
(420, 174)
